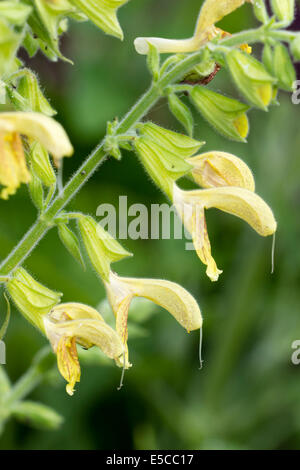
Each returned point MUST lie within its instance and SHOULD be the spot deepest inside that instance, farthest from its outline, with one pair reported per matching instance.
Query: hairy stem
(89, 166)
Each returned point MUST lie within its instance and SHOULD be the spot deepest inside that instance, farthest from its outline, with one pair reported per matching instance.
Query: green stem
(46, 220)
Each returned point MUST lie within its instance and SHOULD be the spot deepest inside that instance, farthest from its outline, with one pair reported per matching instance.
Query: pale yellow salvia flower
(74, 323)
(36, 127)
(211, 13)
(238, 201)
(215, 168)
(172, 297)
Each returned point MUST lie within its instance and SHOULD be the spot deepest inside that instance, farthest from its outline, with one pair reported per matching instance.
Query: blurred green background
(247, 395)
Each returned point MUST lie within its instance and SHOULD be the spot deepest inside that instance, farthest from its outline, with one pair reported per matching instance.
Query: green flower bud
(153, 61)
(227, 115)
(103, 13)
(30, 90)
(71, 242)
(284, 10)
(161, 164)
(260, 11)
(181, 112)
(14, 12)
(37, 415)
(32, 298)
(283, 68)
(36, 191)
(163, 154)
(41, 165)
(251, 77)
(268, 58)
(295, 48)
(101, 247)
(174, 142)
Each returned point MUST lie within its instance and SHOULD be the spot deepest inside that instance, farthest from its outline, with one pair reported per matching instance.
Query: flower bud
(227, 115)
(41, 165)
(37, 415)
(284, 10)
(251, 78)
(213, 169)
(70, 241)
(32, 298)
(260, 11)
(283, 68)
(101, 247)
(30, 90)
(178, 144)
(162, 165)
(181, 112)
(36, 191)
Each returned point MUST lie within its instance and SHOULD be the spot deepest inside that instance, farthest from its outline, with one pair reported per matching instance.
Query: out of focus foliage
(247, 395)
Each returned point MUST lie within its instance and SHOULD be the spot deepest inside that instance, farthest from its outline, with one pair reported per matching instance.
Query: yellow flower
(35, 126)
(212, 169)
(13, 169)
(237, 201)
(211, 12)
(174, 298)
(73, 323)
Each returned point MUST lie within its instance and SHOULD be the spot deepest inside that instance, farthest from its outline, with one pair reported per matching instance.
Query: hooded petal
(87, 332)
(213, 11)
(174, 298)
(38, 127)
(213, 169)
(236, 201)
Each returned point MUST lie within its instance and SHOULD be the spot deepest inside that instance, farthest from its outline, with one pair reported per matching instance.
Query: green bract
(284, 10)
(32, 298)
(227, 115)
(251, 78)
(101, 247)
(103, 13)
